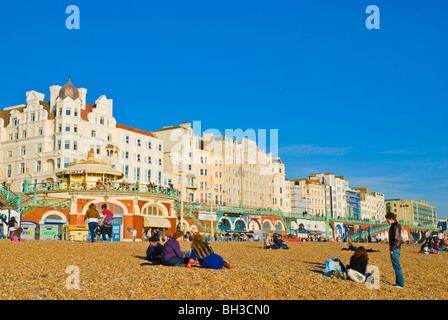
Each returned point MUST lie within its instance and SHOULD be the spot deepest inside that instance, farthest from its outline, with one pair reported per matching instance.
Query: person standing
(134, 234)
(108, 220)
(92, 217)
(395, 248)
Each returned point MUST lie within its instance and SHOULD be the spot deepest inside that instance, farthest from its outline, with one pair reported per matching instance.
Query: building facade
(314, 192)
(335, 192)
(416, 213)
(42, 137)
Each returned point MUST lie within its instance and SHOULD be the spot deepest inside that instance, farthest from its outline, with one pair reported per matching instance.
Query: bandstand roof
(90, 165)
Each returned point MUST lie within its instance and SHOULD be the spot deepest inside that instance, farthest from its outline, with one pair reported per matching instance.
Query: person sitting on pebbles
(154, 251)
(171, 254)
(269, 241)
(279, 242)
(202, 251)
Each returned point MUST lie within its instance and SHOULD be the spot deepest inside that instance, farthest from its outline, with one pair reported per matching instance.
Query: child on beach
(202, 251)
(16, 234)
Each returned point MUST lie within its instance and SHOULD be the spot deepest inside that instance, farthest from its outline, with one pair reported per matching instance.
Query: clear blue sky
(367, 104)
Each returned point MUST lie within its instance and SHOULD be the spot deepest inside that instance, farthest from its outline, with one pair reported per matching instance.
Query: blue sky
(366, 104)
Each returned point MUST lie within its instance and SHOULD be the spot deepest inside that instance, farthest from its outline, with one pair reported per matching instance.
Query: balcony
(112, 187)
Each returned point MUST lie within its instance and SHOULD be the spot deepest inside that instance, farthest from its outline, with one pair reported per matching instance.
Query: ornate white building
(42, 137)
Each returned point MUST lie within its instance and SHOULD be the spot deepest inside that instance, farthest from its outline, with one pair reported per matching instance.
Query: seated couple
(171, 255)
(274, 241)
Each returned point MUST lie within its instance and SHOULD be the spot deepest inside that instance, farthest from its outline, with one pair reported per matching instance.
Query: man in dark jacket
(154, 250)
(395, 248)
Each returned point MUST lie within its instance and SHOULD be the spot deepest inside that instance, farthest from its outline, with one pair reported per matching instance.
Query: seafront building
(416, 213)
(40, 138)
(372, 205)
(336, 197)
(314, 192)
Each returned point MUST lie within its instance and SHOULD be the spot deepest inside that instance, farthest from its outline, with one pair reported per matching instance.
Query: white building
(372, 205)
(42, 137)
(336, 187)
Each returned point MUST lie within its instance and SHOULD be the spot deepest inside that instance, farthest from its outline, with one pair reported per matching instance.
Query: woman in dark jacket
(359, 260)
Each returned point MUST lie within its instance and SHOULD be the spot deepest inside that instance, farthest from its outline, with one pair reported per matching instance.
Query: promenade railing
(107, 187)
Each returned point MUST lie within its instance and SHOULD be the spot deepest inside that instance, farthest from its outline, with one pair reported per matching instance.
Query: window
(23, 150)
(160, 147)
(75, 145)
(125, 170)
(138, 143)
(9, 154)
(9, 171)
(149, 160)
(15, 122)
(109, 137)
(66, 162)
(138, 157)
(67, 145)
(152, 211)
(101, 120)
(75, 112)
(67, 128)
(38, 166)
(41, 131)
(160, 162)
(68, 112)
(75, 128)
(39, 147)
(24, 134)
(93, 133)
(33, 117)
(22, 168)
(60, 128)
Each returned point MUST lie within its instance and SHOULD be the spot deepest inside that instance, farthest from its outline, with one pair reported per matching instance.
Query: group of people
(97, 226)
(357, 268)
(14, 230)
(170, 254)
(433, 244)
(274, 241)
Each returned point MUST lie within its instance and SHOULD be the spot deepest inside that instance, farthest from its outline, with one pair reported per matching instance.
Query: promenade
(35, 270)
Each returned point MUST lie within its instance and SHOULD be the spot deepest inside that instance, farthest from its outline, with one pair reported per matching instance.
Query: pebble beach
(36, 270)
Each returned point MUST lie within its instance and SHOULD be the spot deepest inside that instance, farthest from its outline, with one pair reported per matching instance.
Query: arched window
(240, 225)
(111, 206)
(224, 224)
(153, 211)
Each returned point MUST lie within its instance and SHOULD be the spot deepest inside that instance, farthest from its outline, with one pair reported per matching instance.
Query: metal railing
(46, 187)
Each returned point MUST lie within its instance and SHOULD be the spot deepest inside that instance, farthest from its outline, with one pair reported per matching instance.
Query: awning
(155, 222)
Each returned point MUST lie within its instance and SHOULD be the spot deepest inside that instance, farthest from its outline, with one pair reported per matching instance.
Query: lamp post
(211, 188)
(404, 206)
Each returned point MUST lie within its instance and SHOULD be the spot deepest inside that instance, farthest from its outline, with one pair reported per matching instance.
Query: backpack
(330, 265)
(109, 220)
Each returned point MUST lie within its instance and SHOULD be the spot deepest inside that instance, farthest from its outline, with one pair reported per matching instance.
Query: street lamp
(404, 206)
(211, 188)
